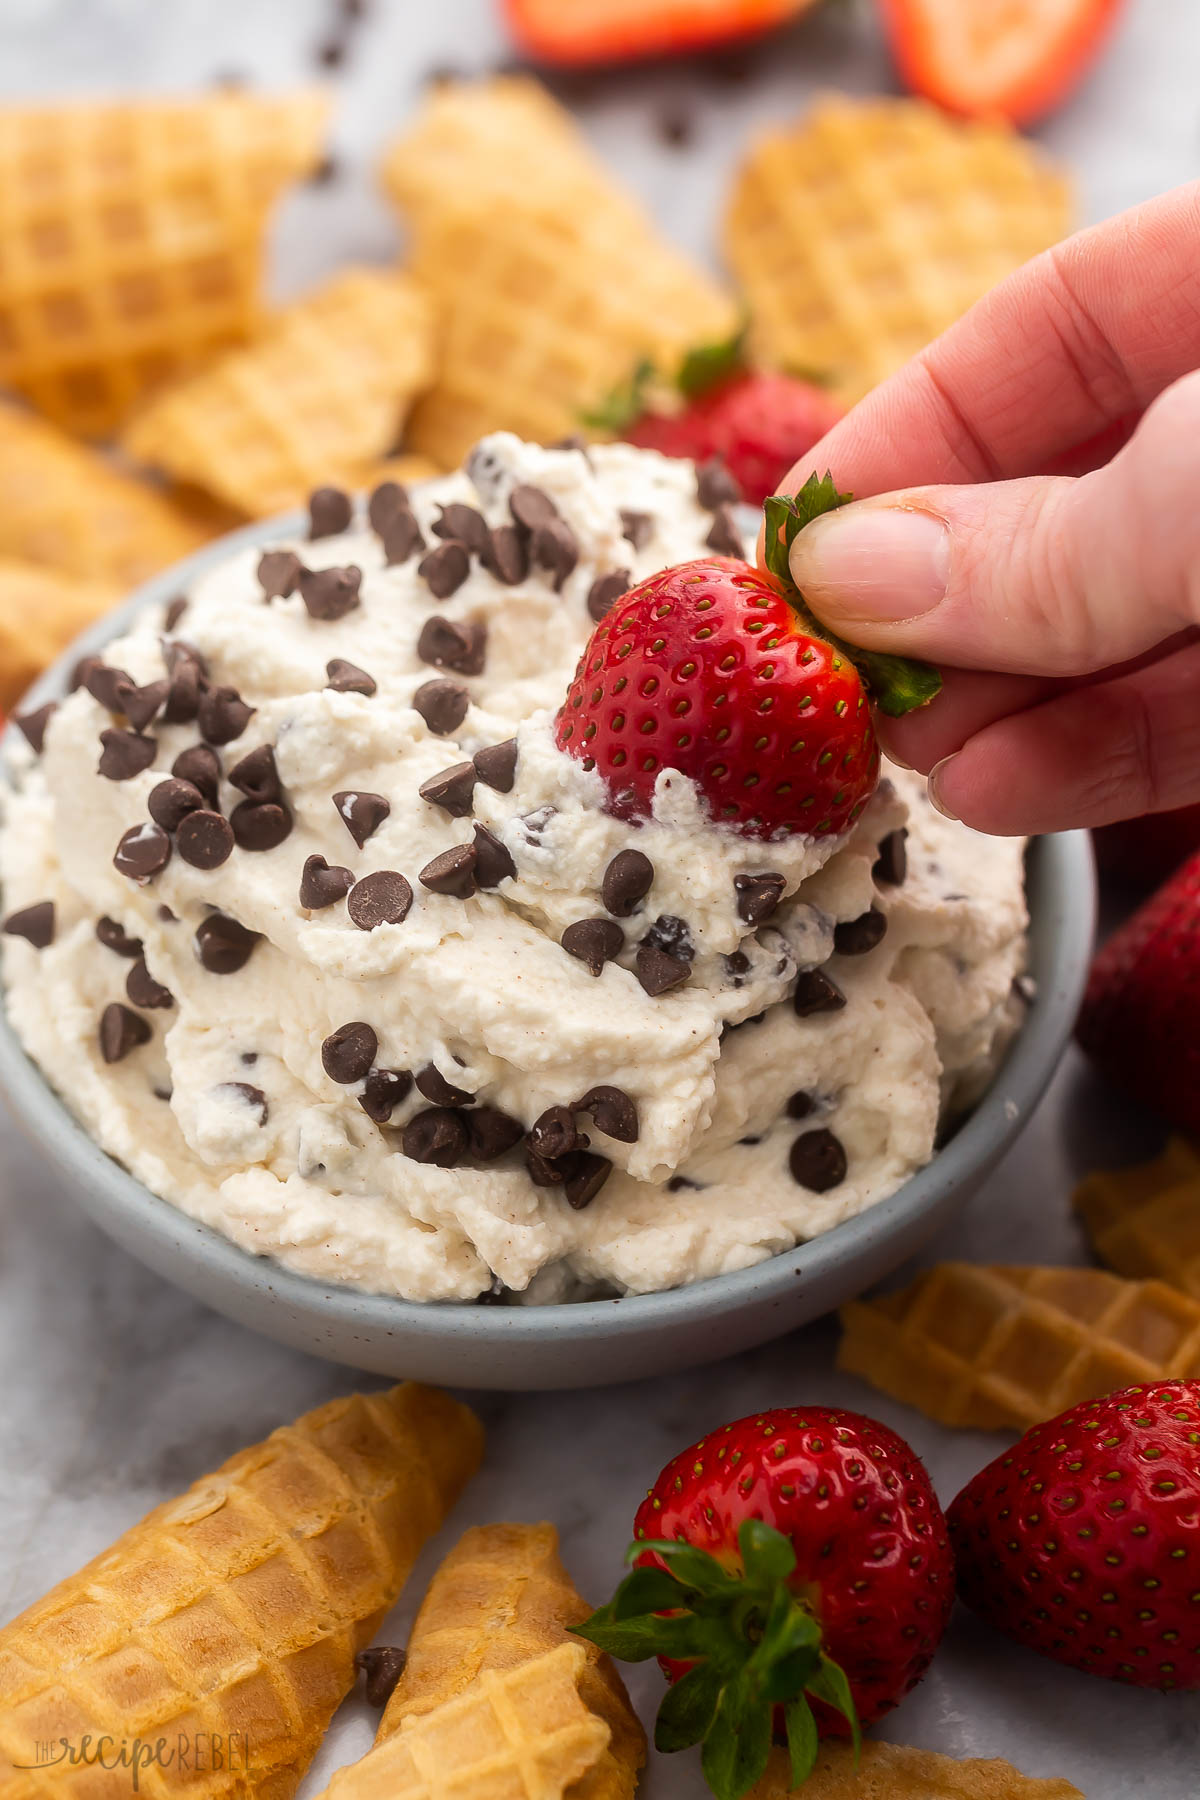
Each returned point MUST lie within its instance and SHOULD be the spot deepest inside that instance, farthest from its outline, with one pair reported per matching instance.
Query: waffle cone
(323, 391)
(999, 1348)
(41, 610)
(501, 1599)
(894, 1772)
(132, 239)
(1146, 1220)
(550, 283)
(63, 505)
(522, 1733)
(237, 1609)
(861, 233)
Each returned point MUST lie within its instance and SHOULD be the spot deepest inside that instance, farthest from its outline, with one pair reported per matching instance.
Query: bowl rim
(1060, 874)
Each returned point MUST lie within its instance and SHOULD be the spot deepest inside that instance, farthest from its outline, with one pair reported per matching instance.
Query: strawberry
(1140, 1021)
(576, 32)
(801, 1561)
(1142, 852)
(719, 671)
(1083, 1541)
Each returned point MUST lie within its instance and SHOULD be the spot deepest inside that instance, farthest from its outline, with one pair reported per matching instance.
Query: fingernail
(936, 778)
(872, 562)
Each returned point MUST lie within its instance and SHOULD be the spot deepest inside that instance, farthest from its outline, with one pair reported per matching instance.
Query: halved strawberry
(599, 31)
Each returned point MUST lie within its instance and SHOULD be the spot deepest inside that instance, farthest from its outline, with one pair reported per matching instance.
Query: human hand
(1059, 591)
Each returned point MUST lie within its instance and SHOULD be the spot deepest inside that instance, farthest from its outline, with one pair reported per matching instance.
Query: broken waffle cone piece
(236, 1610)
(1146, 1220)
(132, 239)
(405, 467)
(523, 1733)
(501, 1599)
(550, 282)
(862, 232)
(41, 611)
(323, 391)
(998, 1348)
(64, 505)
(894, 1772)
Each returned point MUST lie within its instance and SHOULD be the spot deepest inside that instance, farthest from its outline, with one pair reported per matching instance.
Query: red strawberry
(1140, 1021)
(1083, 1541)
(801, 1560)
(760, 423)
(719, 671)
(600, 31)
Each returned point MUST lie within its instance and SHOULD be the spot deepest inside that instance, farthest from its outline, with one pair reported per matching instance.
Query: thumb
(1041, 577)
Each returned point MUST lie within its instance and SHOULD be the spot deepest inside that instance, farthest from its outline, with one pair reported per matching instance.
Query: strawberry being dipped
(793, 1577)
(578, 32)
(1083, 1541)
(720, 672)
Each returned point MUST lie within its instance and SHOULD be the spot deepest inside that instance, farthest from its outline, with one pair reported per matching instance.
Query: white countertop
(119, 1391)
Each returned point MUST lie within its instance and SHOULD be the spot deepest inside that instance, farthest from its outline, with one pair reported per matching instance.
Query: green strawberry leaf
(738, 1743)
(627, 402)
(801, 1739)
(830, 1684)
(897, 684)
(695, 1568)
(649, 1590)
(687, 1711)
(709, 364)
(767, 1556)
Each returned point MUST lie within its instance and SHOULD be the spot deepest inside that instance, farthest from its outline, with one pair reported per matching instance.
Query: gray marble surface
(119, 1391)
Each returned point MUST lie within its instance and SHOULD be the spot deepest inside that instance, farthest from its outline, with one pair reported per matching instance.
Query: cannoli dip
(319, 935)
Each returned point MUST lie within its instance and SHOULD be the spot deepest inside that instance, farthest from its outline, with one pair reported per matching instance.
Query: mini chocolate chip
(175, 612)
(451, 790)
(891, 865)
(543, 1172)
(658, 972)
(240, 1093)
(585, 1175)
(388, 499)
(613, 1112)
(493, 863)
(381, 1669)
(465, 524)
(443, 571)
(532, 507)
(505, 555)
(204, 839)
(671, 934)
(111, 935)
(143, 704)
(677, 1184)
(758, 895)
(817, 1161)
(347, 1054)
(400, 536)
(496, 765)
(816, 993)
(383, 898)
(256, 775)
(724, 536)
(330, 594)
(436, 1136)
(737, 963)
(638, 528)
(443, 706)
(854, 937)
(143, 851)
(248, 1058)
(200, 765)
(223, 945)
(184, 693)
(450, 646)
(121, 1031)
(279, 573)
(166, 916)
(323, 884)
(800, 1105)
(125, 754)
(80, 673)
(144, 991)
(716, 486)
(555, 548)
(361, 814)
(347, 678)
(108, 686)
(330, 510)
(383, 1092)
(605, 591)
(260, 827)
(627, 879)
(171, 801)
(33, 923)
(180, 654)
(492, 1133)
(453, 872)
(223, 715)
(554, 1133)
(432, 1084)
(594, 942)
(34, 724)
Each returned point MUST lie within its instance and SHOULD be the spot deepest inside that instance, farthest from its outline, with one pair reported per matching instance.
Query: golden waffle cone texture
(237, 1609)
(1145, 1221)
(41, 610)
(894, 1772)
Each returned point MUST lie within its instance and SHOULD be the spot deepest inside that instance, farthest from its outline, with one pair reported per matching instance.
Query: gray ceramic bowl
(598, 1341)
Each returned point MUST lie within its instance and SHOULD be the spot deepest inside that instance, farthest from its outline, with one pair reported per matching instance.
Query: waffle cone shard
(1005, 1348)
(894, 1772)
(41, 611)
(523, 1733)
(1145, 1221)
(132, 238)
(860, 233)
(236, 1609)
(550, 282)
(322, 392)
(499, 1600)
